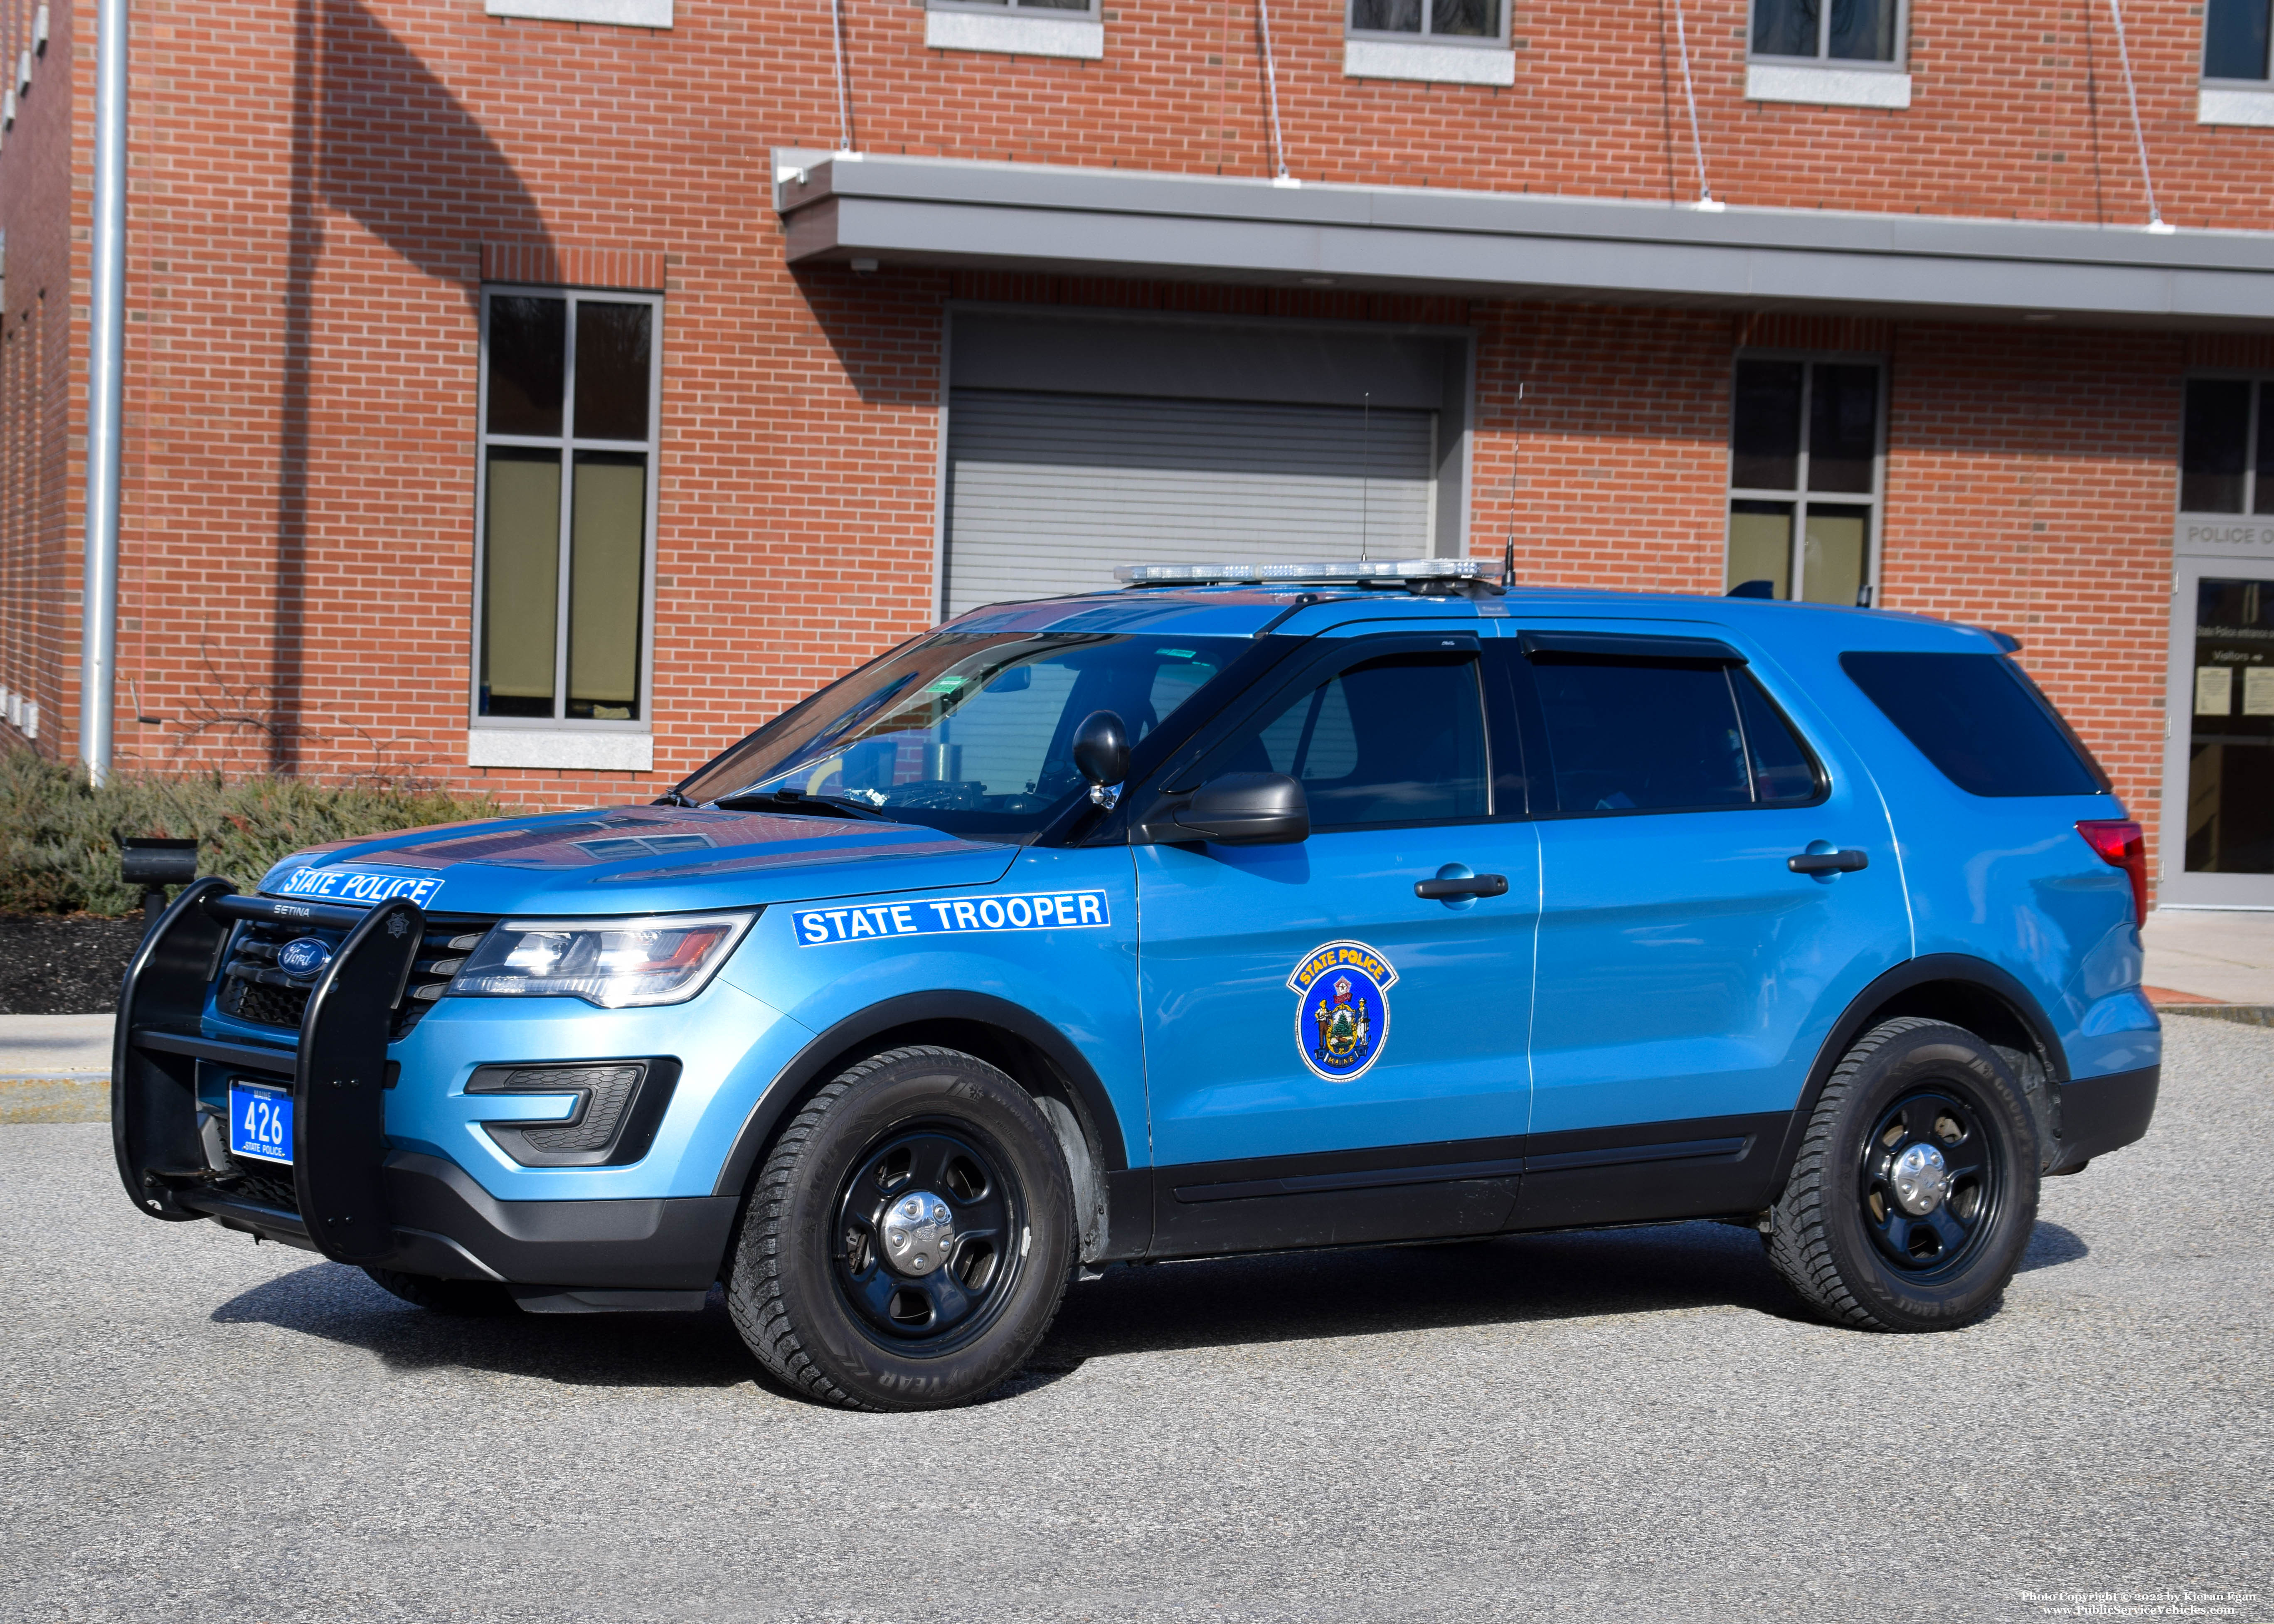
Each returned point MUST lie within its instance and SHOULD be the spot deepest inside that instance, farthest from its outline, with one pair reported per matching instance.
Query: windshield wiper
(798, 800)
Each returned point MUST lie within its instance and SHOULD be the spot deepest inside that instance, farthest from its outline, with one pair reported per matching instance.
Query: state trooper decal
(1341, 1009)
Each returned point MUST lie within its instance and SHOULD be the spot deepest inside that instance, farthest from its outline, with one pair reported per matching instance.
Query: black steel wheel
(1915, 1187)
(907, 1238)
(928, 1237)
(1931, 1180)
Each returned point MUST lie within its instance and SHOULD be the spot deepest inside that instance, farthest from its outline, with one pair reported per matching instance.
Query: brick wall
(41, 357)
(320, 188)
(2018, 109)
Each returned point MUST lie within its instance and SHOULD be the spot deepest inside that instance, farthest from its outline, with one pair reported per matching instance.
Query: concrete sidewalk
(54, 1068)
(2213, 956)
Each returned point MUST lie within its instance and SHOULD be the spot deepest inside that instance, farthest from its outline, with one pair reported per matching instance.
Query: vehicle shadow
(1511, 1280)
(340, 1304)
(2053, 1245)
(1289, 1297)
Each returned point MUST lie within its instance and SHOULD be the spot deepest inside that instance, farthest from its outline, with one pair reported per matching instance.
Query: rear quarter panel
(2004, 879)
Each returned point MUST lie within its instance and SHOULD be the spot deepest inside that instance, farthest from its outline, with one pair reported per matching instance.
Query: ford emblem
(304, 956)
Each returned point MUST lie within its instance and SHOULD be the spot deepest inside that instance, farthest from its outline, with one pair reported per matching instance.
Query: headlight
(615, 963)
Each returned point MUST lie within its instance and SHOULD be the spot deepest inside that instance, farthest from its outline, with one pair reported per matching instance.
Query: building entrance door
(2218, 776)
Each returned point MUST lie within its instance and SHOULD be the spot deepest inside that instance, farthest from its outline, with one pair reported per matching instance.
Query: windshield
(967, 731)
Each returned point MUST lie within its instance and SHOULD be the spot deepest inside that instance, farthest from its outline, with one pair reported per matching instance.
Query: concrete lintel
(1014, 33)
(573, 747)
(1433, 63)
(1825, 86)
(621, 13)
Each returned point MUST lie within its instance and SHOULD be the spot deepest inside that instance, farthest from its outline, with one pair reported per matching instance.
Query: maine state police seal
(1341, 1009)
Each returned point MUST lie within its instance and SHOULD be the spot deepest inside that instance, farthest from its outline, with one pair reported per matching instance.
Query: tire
(855, 1311)
(469, 1297)
(1864, 1234)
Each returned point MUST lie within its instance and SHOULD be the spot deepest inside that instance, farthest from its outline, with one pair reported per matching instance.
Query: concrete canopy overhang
(1062, 220)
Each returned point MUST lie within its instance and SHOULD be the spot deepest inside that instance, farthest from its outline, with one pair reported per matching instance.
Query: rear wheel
(1915, 1187)
(909, 1235)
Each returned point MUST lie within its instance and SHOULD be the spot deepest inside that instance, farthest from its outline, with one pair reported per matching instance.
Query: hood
(637, 859)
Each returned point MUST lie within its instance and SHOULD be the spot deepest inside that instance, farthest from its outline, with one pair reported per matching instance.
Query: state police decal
(1341, 1009)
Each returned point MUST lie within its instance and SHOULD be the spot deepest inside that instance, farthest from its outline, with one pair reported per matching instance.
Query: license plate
(260, 1121)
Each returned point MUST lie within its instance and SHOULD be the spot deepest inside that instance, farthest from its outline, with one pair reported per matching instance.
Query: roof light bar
(1336, 570)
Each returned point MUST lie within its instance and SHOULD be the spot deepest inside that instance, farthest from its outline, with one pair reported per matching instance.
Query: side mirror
(1247, 809)
(1101, 751)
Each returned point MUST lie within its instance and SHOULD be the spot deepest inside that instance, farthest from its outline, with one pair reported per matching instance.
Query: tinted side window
(1395, 740)
(1784, 773)
(1971, 716)
(1632, 736)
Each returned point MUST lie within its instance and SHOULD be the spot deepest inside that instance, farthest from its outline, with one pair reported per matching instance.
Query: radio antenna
(1364, 470)
(1515, 454)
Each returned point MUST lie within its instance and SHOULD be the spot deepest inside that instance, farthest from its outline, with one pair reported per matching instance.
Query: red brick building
(538, 397)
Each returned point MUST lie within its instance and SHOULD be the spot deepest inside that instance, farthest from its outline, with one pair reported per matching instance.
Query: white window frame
(1424, 37)
(1800, 496)
(1822, 58)
(503, 751)
(2246, 101)
(1826, 80)
(2261, 401)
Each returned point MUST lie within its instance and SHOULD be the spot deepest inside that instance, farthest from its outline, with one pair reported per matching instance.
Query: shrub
(59, 836)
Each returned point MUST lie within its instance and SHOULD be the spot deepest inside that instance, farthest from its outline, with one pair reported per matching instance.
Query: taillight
(2122, 844)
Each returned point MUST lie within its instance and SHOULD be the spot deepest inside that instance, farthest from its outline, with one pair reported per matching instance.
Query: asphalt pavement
(1636, 1426)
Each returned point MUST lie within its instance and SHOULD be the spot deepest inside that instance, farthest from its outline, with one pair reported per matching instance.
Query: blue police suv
(1239, 910)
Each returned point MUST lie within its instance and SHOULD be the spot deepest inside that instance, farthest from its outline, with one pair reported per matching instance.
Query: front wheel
(1915, 1187)
(908, 1238)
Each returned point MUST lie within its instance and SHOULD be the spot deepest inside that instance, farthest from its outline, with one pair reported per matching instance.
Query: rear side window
(1978, 720)
(1666, 736)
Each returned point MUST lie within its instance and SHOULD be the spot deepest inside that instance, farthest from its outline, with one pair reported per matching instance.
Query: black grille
(448, 939)
(262, 1182)
(255, 988)
(611, 1087)
(618, 1106)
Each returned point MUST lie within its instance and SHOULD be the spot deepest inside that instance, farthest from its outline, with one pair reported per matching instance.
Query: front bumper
(351, 1196)
(444, 1225)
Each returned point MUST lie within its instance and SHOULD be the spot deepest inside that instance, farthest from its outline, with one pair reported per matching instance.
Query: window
(1020, 27)
(1059, 8)
(2226, 447)
(567, 505)
(2235, 39)
(967, 731)
(1665, 736)
(1979, 720)
(1843, 31)
(1479, 21)
(1804, 480)
(2230, 827)
(1398, 739)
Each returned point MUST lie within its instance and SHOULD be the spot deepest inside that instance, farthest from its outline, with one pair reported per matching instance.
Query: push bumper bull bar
(337, 1072)
(356, 1198)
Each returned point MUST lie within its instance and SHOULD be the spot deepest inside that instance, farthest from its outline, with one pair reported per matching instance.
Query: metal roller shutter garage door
(1047, 492)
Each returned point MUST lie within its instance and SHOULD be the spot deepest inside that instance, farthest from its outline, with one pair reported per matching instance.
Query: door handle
(1462, 885)
(1827, 862)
